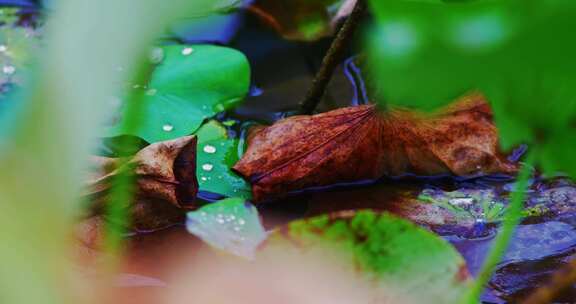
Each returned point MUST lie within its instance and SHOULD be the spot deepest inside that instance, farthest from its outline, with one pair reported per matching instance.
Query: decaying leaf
(166, 182)
(361, 143)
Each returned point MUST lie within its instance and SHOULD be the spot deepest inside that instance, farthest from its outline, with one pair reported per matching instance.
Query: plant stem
(560, 280)
(332, 59)
(511, 220)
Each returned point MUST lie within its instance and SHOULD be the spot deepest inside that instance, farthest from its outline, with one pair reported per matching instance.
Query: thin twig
(560, 280)
(332, 59)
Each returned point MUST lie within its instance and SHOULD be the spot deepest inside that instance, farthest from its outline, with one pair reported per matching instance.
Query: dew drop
(187, 51)
(3, 48)
(241, 222)
(207, 167)
(209, 149)
(8, 69)
(151, 92)
(168, 127)
(203, 178)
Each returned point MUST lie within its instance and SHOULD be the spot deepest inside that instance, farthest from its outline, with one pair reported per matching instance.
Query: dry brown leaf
(165, 175)
(361, 143)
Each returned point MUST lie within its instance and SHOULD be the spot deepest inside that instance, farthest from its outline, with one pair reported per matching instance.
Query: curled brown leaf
(165, 176)
(361, 143)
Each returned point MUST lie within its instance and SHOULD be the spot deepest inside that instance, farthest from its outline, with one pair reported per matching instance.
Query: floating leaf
(217, 153)
(360, 143)
(232, 225)
(403, 263)
(190, 84)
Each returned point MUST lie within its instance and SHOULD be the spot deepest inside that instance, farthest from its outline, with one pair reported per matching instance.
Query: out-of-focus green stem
(511, 220)
(122, 190)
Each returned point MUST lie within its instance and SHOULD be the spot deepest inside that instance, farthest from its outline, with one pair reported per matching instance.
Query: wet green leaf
(232, 225)
(217, 153)
(404, 263)
(189, 85)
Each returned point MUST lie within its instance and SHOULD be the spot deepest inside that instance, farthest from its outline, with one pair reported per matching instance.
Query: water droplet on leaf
(209, 149)
(207, 167)
(187, 51)
(168, 127)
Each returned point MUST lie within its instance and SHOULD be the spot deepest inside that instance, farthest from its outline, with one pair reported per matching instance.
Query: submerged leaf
(403, 263)
(165, 182)
(232, 225)
(360, 143)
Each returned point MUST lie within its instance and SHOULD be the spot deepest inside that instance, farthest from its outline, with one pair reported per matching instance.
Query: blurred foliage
(63, 107)
(188, 84)
(517, 52)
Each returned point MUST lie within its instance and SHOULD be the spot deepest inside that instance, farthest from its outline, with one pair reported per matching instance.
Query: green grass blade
(512, 218)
